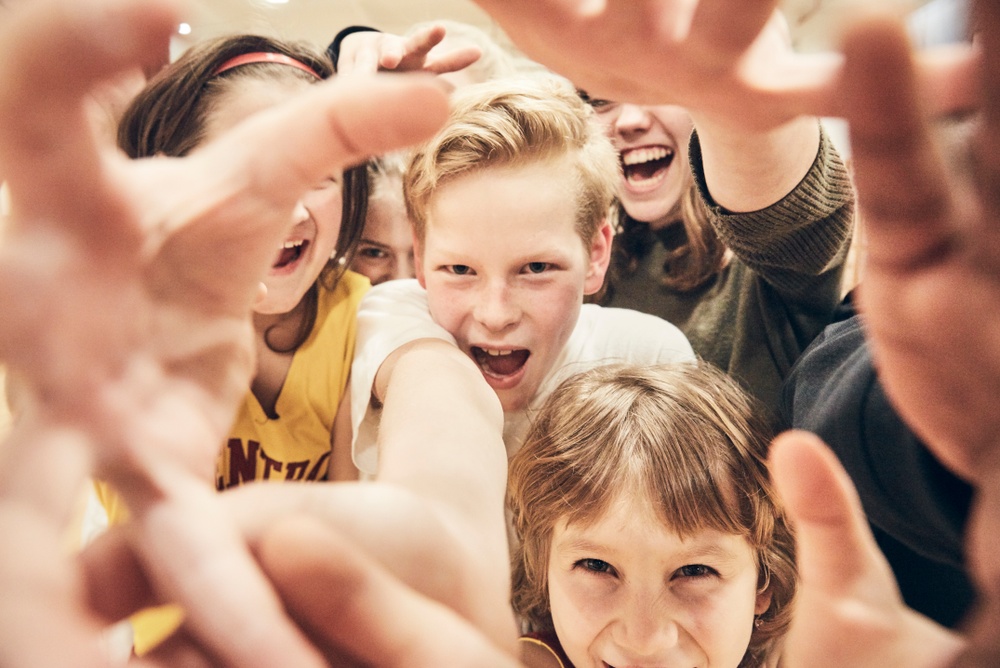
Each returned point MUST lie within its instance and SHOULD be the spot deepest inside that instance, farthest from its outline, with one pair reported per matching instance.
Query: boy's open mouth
(500, 363)
(646, 164)
(290, 252)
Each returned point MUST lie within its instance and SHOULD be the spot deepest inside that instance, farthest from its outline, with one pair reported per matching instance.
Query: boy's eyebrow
(713, 551)
(709, 549)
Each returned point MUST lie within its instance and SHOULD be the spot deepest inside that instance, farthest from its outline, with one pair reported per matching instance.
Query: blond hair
(685, 435)
(512, 123)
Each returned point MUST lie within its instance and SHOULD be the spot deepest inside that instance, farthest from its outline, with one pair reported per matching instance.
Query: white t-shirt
(396, 312)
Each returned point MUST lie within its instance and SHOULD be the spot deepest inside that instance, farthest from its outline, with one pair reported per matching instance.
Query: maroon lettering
(270, 465)
(314, 473)
(242, 463)
(296, 470)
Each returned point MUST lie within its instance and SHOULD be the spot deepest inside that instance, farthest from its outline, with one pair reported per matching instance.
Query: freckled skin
(505, 268)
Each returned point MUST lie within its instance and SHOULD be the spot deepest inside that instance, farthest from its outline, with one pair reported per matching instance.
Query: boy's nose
(645, 632)
(495, 308)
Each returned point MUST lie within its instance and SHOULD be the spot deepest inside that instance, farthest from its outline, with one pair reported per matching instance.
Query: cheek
(580, 608)
(447, 305)
(556, 313)
(721, 621)
(327, 210)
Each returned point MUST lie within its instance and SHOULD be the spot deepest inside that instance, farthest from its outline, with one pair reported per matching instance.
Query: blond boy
(510, 206)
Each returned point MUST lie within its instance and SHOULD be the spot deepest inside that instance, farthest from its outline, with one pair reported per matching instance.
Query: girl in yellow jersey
(304, 318)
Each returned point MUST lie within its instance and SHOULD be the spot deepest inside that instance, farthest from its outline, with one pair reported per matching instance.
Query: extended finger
(988, 144)
(237, 194)
(115, 583)
(901, 182)
(195, 556)
(420, 42)
(40, 476)
(453, 60)
(352, 607)
(44, 468)
(54, 54)
(835, 548)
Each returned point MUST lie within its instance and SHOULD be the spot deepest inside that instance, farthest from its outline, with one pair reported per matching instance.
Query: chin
(647, 212)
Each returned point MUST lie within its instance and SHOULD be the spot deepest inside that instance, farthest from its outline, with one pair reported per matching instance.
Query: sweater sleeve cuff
(334, 49)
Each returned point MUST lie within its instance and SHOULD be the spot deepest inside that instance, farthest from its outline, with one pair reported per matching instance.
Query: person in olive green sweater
(750, 290)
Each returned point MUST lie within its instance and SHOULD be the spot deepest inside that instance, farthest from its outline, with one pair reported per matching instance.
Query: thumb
(835, 546)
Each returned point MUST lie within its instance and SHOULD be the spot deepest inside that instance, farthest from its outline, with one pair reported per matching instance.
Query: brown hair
(685, 434)
(513, 123)
(169, 116)
(697, 257)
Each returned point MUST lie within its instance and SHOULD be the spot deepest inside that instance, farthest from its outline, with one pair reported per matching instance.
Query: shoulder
(630, 334)
(405, 291)
(348, 291)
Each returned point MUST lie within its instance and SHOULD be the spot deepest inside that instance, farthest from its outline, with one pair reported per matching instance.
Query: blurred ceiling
(317, 21)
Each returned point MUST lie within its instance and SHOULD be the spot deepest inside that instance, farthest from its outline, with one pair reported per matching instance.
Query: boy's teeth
(497, 353)
(293, 244)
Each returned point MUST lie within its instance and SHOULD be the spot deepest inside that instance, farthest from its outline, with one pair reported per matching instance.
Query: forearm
(751, 170)
(799, 240)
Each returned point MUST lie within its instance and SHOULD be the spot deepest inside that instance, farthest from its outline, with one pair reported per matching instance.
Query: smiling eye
(696, 571)
(594, 566)
(537, 267)
(458, 269)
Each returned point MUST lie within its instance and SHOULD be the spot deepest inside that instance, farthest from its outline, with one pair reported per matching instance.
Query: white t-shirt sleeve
(390, 315)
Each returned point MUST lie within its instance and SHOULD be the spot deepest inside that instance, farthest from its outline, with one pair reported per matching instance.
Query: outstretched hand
(126, 290)
(848, 610)
(718, 56)
(731, 58)
(932, 277)
(933, 258)
(368, 52)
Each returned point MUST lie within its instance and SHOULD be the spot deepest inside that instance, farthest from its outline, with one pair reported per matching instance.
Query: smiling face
(506, 270)
(652, 142)
(315, 227)
(626, 590)
(385, 252)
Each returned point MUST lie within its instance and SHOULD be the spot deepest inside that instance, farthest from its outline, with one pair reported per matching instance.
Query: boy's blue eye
(696, 571)
(459, 269)
(594, 565)
(537, 267)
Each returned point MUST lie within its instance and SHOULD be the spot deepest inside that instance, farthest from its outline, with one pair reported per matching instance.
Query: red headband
(263, 57)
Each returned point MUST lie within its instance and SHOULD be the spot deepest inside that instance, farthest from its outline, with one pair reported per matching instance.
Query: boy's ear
(418, 260)
(763, 601)
(600, 257)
